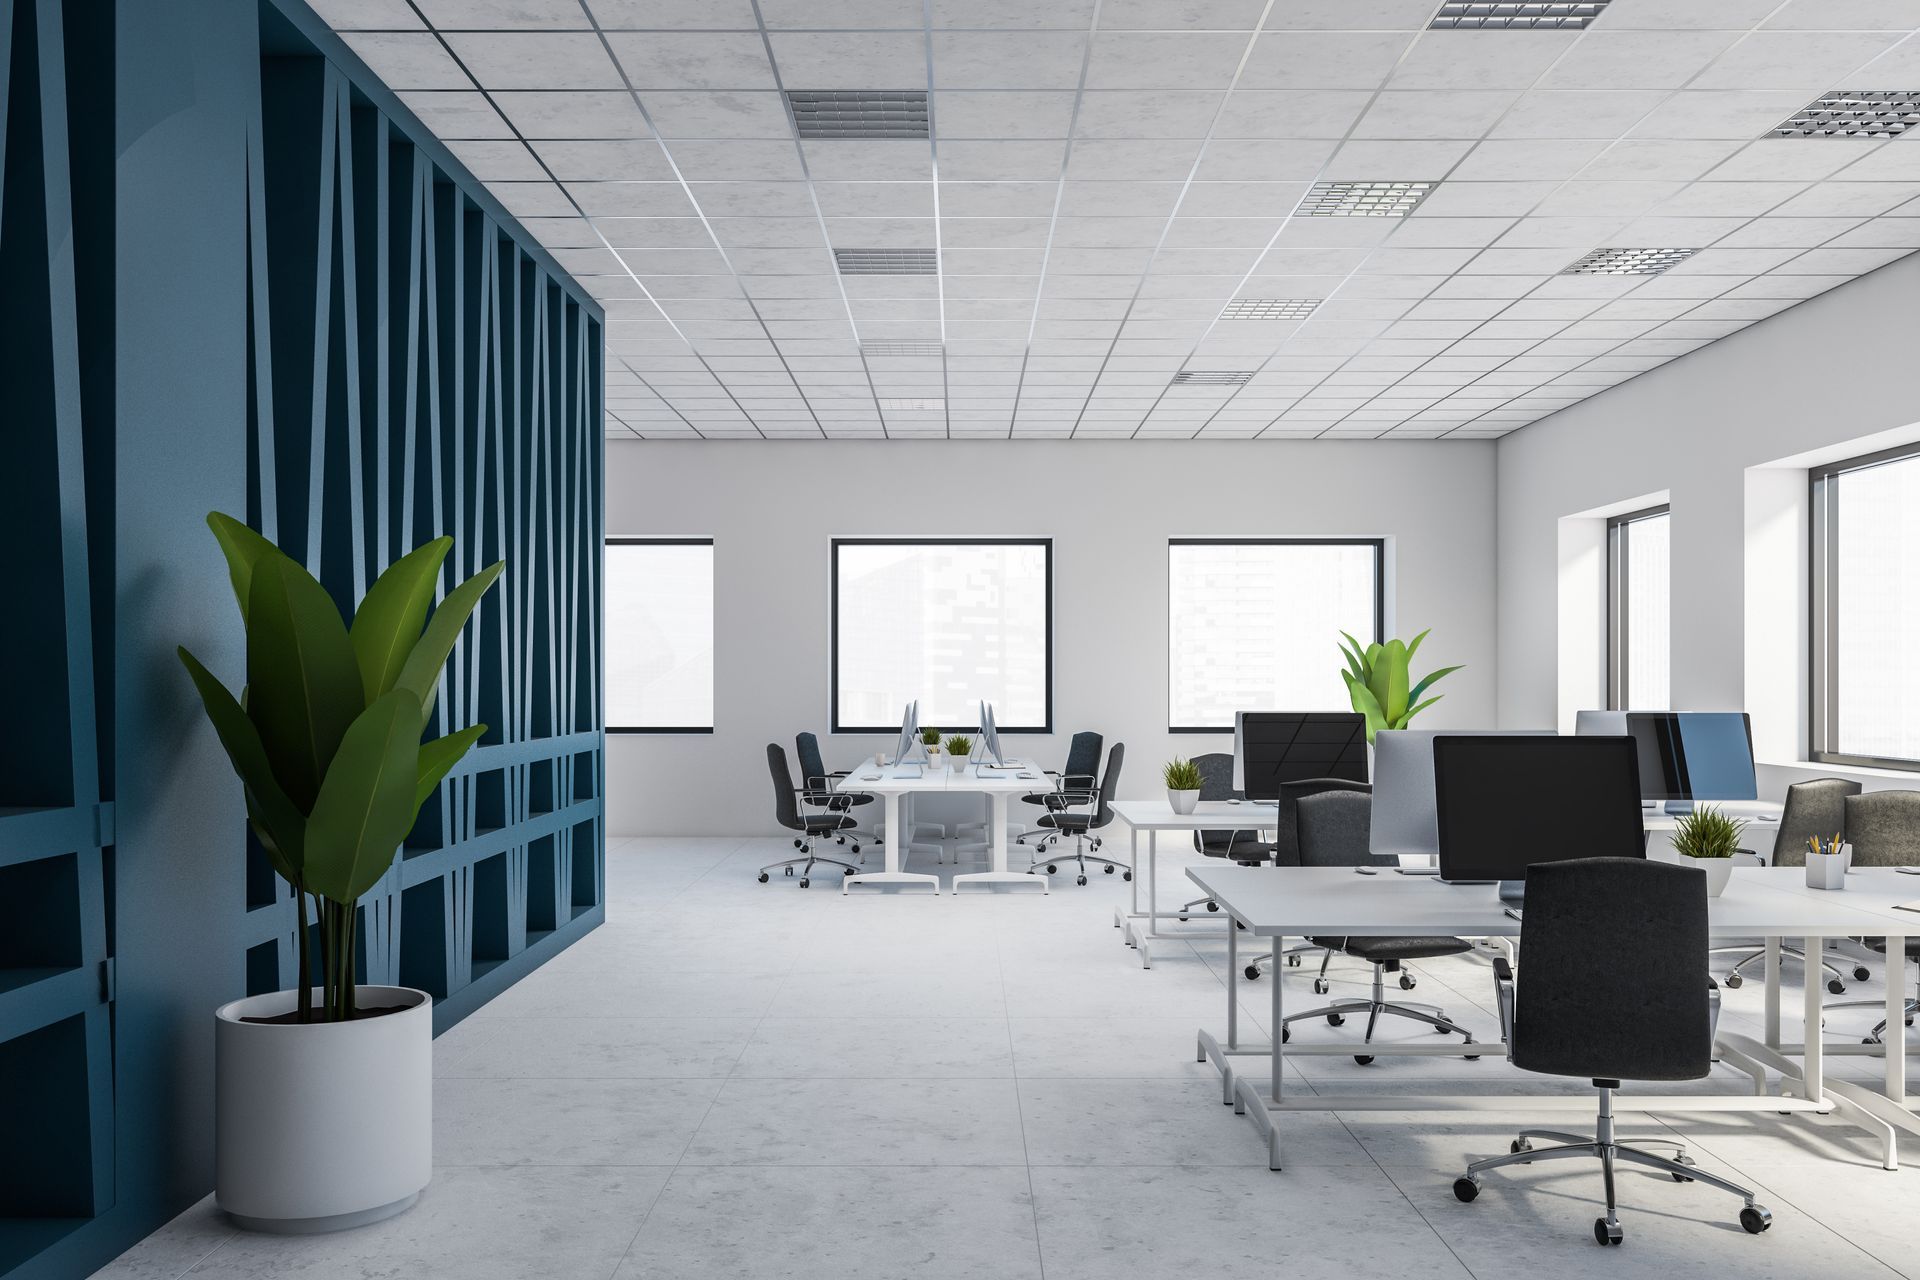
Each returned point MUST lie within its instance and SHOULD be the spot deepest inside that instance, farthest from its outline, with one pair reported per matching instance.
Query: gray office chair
(1243, 848)
(1081, 812)
(1082, 772)
(793, 809)
(819, 781)
(1812, 808)
(1333, 829)
(1884, 829)
(1285, 851)
(1614, 950)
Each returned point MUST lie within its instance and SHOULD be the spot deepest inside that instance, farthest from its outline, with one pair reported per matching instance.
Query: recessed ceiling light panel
(1854, 113)
(1628, 262)
(1269, 308)
(887, 262)
(901, 348)
(1505, 15)
(859, 113)
(904, 403)
(1364, 199)
(1212, 377)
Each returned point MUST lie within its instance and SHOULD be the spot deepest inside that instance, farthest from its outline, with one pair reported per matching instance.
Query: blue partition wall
(239, 276)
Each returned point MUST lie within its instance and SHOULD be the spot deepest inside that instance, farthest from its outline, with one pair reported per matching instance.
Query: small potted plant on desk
(1710, 838)
(930, 739)
(959, 750)
(323, 1094)
(1183, 784)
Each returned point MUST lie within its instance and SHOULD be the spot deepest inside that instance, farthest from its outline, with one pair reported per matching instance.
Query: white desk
(1760, 902)
(891, 782)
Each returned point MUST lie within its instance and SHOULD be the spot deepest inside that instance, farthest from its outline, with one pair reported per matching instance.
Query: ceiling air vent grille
(1269, 308)
(1364, 199)
(1854, 113)
(901, 349)
(1628, 262)
(1506, 15)
(887, 262)
(847, 114)
(1212, 377)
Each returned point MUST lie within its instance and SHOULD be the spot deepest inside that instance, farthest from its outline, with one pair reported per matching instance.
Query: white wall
(1726, 432)
(1109, 506)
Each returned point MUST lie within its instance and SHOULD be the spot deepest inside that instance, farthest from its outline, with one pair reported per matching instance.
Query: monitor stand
(1679, 808)
(1513, 891)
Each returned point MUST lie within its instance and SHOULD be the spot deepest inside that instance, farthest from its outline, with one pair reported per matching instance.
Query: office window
(1638, 637)
(1254, 625)
(1866, 610)
(659, 635)
(948, 622)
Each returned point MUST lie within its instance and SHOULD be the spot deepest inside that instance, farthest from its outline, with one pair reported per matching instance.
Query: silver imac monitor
(990, 737)
(909, 733)
(1609, 724)
(1405, 822)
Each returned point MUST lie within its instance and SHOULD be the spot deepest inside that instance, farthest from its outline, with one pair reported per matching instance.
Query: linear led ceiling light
(1628, 262)
(1364, 199)
(1506, 15)
(1269, 308)
(1854, 113)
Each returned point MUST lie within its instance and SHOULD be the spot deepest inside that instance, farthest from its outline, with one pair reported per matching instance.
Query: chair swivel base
(1879, 1034)
(1835, 979)
(807, 863)
(1754, 1217)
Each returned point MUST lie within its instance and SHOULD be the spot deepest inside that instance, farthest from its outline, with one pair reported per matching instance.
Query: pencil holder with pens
(1827, 859)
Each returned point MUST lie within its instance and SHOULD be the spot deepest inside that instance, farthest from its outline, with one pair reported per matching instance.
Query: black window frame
(1379, 546)
(833, 628)
(626, 540)
(1823, 609)
(1619, 603)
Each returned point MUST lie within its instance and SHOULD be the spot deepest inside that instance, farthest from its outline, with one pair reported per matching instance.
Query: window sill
(1821, 769)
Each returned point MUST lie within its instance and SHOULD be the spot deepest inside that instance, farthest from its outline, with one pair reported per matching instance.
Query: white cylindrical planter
(1183, 801)
(322, 1126)
(1719, 872)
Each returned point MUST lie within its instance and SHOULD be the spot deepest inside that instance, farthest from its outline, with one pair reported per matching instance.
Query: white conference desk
(891, 783)
(1771, 903)
(1155, 816)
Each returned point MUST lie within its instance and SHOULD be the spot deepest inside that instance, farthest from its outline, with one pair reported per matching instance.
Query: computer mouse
(1366, 871)
(1234, 800)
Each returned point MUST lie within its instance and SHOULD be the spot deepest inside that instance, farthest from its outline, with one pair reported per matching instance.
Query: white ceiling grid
(1115, 192)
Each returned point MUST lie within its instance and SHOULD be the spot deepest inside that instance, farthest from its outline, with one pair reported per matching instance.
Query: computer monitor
(1403, 815)
(1272, 747)
(909, 733)
(990, 737)
(1606, 723)
(1694, 755)
(1508, 802)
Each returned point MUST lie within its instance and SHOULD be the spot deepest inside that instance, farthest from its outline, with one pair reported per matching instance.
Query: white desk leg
(1153, 883)
(1813, 1051)
(893, 874)
(1773, 993)
(997, 840)
(1133, 860)
(1896, 1036)
(1275, 1032)
(1233, 994)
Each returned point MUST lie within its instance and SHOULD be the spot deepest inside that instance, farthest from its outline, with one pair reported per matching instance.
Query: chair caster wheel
(1320, 986)
(1128, 875)
(1406, 982)
(763, 877)
(853, 849)
(847, 872)
(1181, 919)
(1465, 1190)
(1680, 1177)
(799, 844)
(1868, 1040)
(839, 839)
(1755, 1219)
(1733, 981)
(1109, 870)
(1861, 973)
(1286, 1034)
(804, 882)
(1518, 1145)
(1213, 906)
(1293, 962)
(1363, 1059)
(1836, 987)
(1336, 1020)
(1605, 1233)
(1052, 869)
(789, 870)
(1253, 972)
(1079, 879)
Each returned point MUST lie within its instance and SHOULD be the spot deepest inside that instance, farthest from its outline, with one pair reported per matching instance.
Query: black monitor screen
(1694, 755)
(1292, 746)
(1505, 803)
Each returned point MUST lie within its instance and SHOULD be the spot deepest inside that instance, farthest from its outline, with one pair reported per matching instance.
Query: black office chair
(1285, 852)
(792, 808)
(819, 781)
(1082, 772)
(1813, 808)
(1884, 829)
(1247, 849)
(1079, 812)
(1333, 829)
(1614, 950)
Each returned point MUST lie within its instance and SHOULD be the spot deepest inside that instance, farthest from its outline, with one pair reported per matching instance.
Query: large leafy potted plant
(323, 1094)
(1380, 684)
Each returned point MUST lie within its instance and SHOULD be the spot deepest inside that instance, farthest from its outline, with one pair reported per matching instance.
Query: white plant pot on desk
(324, 1125)
(1719, 872)
(1183, 801)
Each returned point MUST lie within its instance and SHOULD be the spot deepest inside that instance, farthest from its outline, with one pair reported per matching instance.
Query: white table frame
(893, 783)
(1772, 903)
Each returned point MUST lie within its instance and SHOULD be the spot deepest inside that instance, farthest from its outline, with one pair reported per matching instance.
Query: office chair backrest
(1331, 829)
(806, 751)
(1083, 756)
(1286, 825)
(1816, 808)
(1884, 828)
(1613, 971)
(1109, 781)
(1216, 783)
(786, 807)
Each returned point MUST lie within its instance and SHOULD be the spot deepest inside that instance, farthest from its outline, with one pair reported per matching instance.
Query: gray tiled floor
(732, 1079)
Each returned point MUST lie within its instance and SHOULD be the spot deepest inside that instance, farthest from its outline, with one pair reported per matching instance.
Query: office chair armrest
(820, 790)
(1503, 996)
(1067, 796)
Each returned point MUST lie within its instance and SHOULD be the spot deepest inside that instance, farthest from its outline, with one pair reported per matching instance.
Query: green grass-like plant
(1181, 774)
(325, 733)
(1707, 833)
(930, 737)
(1380, 684)
(960, 746)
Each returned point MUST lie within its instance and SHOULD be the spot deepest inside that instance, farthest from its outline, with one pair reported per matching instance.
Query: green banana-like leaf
(243, 548)
(280, 826)
(420, 675)
(1388, 680)
(303, 686)
(365, 807)
(1352, 655)
(1364, 703)
(1421, 688)
(438, 757)
(1416, 710)
(1413, 645)
(390, 617)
